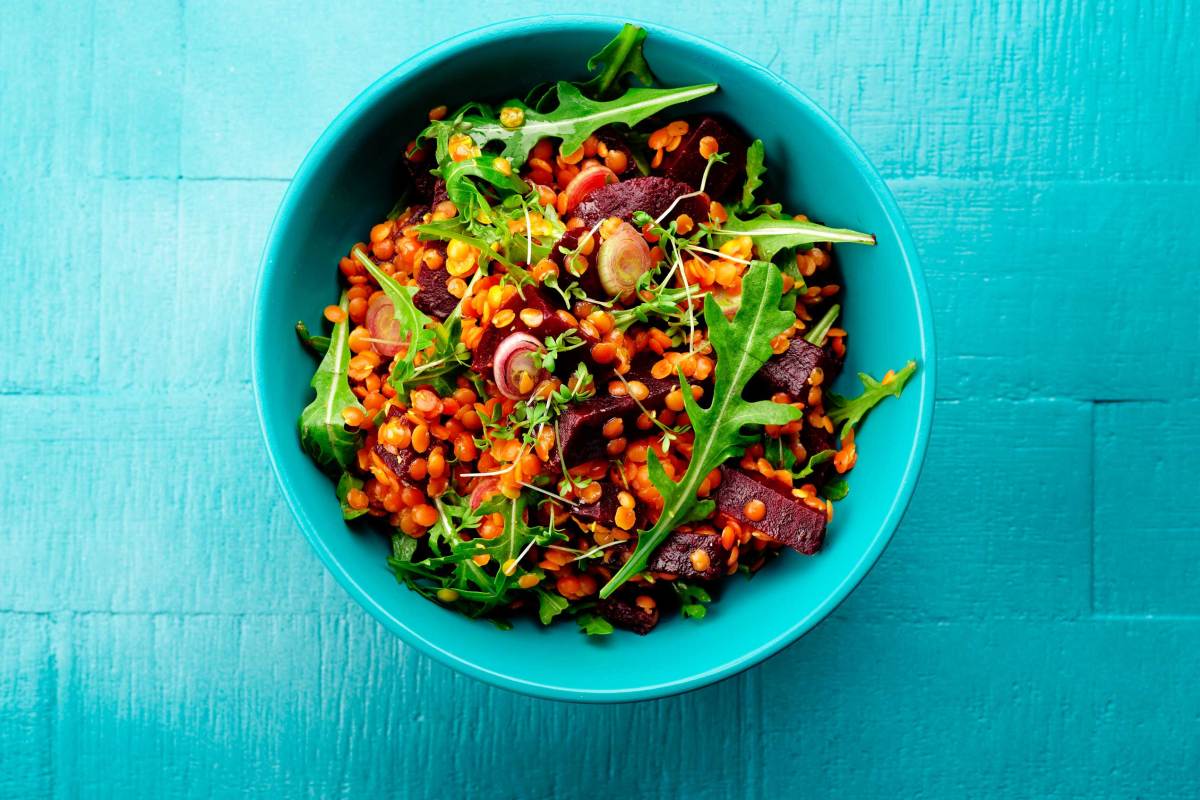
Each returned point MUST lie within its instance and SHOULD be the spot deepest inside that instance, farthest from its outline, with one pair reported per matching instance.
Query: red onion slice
(384, 328)
(514, 357)
(586, 182)
(624, 257)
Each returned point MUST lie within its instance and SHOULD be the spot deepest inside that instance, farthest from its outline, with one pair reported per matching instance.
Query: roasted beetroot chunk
(420, 180)
(787, 520)
(789, 371)
(697, 556)
(603, 511)
(651, 194)
(687, 165)
(432, 296)
(589, 281)
(551, 325)
(398, 461)
(622, 610)
(579, 426)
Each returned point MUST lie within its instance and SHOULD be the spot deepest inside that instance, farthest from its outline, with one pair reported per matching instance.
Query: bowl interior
(347, 184)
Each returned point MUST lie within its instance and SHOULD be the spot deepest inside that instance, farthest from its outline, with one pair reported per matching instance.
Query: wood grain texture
(1033, 631)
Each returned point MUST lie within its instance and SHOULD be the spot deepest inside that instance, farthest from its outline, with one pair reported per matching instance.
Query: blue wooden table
(1033, 631)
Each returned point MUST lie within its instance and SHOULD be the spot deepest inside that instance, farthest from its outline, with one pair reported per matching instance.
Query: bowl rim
(297, 188)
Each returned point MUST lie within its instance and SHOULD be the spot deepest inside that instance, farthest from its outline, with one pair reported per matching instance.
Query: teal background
(1033, 630)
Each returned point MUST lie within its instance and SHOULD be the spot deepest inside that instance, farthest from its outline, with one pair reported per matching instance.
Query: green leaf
(593, 624)
(850, 411)
(771, 235)
(573, 120)
(620, 57)
(347, 482)
(814, 461)
(754, 172)
(741, 348)
(693, 599)
(414, 323)
(837, 490)
(323, 432)
(404, 547)
(466, 194)
(318, 344)
(550, 605)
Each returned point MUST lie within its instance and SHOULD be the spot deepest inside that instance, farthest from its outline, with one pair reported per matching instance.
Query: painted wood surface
(1033, 631)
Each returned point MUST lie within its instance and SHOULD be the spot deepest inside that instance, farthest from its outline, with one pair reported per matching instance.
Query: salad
(582, 369)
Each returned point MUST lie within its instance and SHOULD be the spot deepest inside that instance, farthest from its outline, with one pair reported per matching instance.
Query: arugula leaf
(404, 547)
(466, 194)
(692, 599)
(573, 120)
(813, 461)
(318, 344)
(620, 57)
(816, 335)
(347, 482)
(414, 323)
(837, 490)
(323, 433)
(754, 172)
(771, 235)
(593, 624)
(741, 348)
(550, 605)
(850, 411)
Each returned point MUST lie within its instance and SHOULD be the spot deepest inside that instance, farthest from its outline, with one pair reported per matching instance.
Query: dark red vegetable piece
(603, 511)
(439, 192)
(580, 424)
(420, 179)
(789, 371)
(551, 325)
(623, 610)
(787, 521)
(650, 194)
(398, 461)
(674, 556)
(687, 165)
(432, 296)
(589, 281)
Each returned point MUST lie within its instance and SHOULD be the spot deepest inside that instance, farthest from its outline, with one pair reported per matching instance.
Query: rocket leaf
(741, 348)
(323, 432)
(771, 235)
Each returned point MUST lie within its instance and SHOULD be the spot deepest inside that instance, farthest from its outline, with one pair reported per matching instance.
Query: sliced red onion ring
(586, 182)
(484, 487)
(514, 357)
(624, 257)
(385, 329)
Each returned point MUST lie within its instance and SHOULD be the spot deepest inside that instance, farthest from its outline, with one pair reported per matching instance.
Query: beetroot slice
(579, 425)
(650, 194)
(432, 296)
(603, 511)
(787, 521)
(674, 556)
(622, 610)
(789, 371)
(687, 165)
(589, 281)
(418, 176)
(398, 461)
(551, 325)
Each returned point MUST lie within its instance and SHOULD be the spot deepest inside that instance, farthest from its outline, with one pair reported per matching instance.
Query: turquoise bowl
(346, 184)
